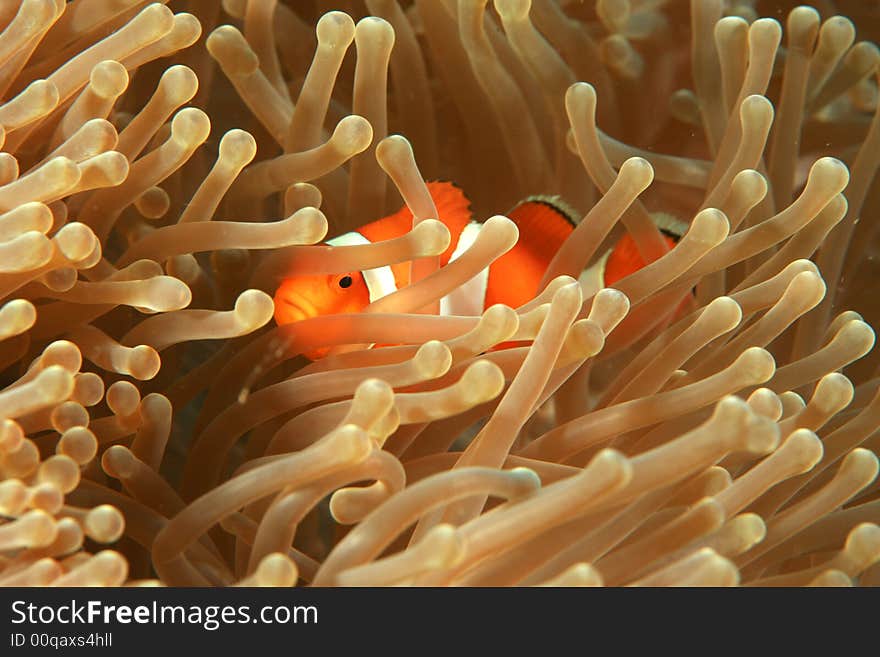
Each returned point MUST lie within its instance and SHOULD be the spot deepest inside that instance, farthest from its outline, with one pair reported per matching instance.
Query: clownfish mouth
(301, 309)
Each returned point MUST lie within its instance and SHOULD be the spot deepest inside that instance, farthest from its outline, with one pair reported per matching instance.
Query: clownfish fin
(453, 209)
(545, 206)
(544, 223)
(624, 259)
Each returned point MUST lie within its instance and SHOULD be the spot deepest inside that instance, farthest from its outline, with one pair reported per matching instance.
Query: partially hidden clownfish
(513, 279)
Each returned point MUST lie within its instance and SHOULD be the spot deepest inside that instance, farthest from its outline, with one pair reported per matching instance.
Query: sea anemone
(711, 420)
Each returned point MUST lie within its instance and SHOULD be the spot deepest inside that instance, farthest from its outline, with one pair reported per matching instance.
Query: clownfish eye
(345, 282)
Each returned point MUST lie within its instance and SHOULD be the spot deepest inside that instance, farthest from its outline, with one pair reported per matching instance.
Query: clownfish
(624, 258)
(544, 223)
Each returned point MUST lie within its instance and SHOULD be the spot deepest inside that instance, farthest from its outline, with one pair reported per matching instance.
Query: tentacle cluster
(711, 420)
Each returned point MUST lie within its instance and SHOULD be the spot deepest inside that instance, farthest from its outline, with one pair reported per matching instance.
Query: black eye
(345, 282)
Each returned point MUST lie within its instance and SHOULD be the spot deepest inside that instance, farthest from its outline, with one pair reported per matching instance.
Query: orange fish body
(513, 279)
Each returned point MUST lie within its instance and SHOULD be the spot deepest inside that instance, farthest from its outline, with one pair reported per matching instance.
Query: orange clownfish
(513, 279)
(624, 258)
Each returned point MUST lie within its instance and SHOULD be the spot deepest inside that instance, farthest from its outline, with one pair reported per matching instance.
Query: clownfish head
(304, 297)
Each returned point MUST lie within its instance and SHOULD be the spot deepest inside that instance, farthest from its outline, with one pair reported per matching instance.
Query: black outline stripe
(555, 203)
(670, 234)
